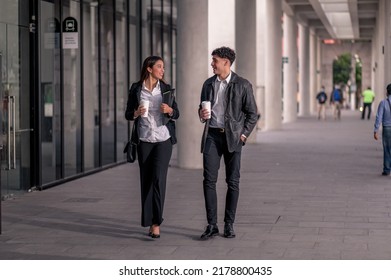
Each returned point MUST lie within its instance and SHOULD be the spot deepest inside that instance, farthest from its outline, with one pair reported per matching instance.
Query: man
(322, 98)
(233, 117)
(336, 102)
(368, 97)
(384, 116)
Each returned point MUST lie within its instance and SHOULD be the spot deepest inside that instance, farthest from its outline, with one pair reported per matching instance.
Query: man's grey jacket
(240, 110)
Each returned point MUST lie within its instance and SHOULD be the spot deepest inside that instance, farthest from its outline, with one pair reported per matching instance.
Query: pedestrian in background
(383, 116)
(155, 135)
(322, 98)
(336, 102)
(228, 124)
(368, 97)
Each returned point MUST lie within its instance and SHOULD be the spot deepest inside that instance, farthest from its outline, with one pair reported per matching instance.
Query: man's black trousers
(215, 148)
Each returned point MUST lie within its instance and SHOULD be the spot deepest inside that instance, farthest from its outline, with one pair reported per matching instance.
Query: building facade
(66, 66)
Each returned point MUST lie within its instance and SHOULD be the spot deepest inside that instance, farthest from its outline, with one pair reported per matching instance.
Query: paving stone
(312, 190)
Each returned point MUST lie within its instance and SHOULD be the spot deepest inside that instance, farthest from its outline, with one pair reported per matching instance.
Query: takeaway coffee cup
(145, 103)
(206, 105)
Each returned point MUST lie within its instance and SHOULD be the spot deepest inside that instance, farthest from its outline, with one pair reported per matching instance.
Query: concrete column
(367, 72)
(353, 89)
(381, 51)
(387, 47)
(260, 60)
(290, 69)
(312, 77)
(373, 63)
(304, 71)
(246, 39)
(273, 74)
(221, 26)
(318, 63)
(192, 45)
(245, 42)
(326, 69)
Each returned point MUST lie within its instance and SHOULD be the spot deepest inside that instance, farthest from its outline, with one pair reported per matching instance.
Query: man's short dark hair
(225, 52)
(389, 89)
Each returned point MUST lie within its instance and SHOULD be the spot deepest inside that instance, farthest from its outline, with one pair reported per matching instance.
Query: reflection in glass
(134, 51)
(50, 91)
(121, 77)
(90, 85)
(107, 81)
(15, 98)
(72, 96)
(146, 29)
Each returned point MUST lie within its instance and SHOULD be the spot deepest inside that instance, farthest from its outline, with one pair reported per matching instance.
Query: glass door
(15, 95)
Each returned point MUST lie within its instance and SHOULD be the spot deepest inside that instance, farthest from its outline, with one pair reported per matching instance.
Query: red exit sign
(329, 41)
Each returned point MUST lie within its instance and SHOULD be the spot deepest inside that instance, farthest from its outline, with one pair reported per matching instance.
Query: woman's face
(157, 70)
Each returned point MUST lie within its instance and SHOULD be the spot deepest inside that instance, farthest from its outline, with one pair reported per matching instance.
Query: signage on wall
(52, 34)
(70, 35)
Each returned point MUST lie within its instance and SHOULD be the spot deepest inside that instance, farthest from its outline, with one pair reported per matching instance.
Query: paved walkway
(310, 191)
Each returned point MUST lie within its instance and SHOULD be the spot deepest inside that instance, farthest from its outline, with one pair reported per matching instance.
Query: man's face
(219, 65)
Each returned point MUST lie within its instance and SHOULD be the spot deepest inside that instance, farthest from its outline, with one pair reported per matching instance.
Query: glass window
(146, 32)
(134, 42)
(121, 76)
(15, 97)
(107, 81)
(167, 40)
(50, 88)
(71, 88)
(173, 42)
(157, 30)
(90, 85)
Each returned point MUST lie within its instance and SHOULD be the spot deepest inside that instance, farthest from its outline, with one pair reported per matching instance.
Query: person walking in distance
(368, 97)
(336, 102)
(229, 122)
(383, 116)
(322, 98)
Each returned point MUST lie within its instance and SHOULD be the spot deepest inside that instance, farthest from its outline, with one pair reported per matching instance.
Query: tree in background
(358, 75)
(341, 69)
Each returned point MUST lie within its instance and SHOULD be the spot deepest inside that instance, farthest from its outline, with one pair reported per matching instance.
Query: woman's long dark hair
(148, 62)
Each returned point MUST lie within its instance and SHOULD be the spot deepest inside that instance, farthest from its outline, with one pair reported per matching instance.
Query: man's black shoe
(229, 231)
(210, 231)
(385, 174)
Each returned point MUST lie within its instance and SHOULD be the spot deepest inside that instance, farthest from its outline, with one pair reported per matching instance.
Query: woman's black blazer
(134, 101)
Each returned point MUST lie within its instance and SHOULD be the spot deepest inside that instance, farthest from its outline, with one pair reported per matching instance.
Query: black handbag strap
(388, 100)
(133, 133)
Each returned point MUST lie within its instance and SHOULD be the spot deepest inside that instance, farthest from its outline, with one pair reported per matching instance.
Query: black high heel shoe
(151, 234)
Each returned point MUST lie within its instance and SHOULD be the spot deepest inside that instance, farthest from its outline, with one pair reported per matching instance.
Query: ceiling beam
(315, 23)
(322, 16)
(303, 9)
(353, 9)
(287, 9)
(297, 2)
(367, 22)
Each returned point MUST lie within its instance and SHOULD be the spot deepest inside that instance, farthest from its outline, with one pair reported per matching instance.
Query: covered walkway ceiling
(336, 19)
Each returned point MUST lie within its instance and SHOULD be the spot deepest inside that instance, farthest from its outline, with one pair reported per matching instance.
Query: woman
(155, 134)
